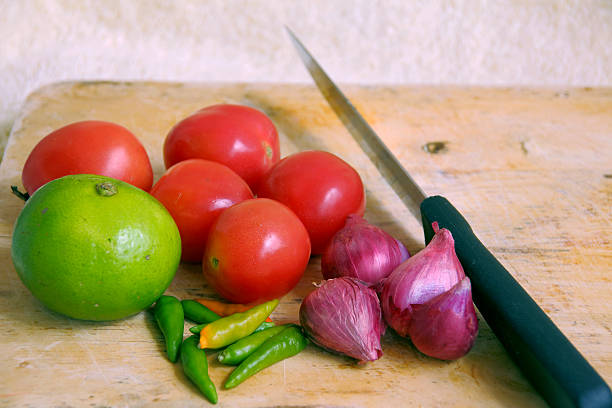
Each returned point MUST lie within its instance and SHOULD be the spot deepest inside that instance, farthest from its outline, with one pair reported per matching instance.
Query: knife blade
(546, 357)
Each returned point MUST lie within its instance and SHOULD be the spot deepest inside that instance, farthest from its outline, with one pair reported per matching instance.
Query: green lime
(95, 248)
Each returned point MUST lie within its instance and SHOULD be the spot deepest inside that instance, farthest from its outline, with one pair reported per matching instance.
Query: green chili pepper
(197, 329)
(171, 320)
(265, 325)
(287, 343)
(231, 328)
(195, 367)
(236, 352)
(197, 312)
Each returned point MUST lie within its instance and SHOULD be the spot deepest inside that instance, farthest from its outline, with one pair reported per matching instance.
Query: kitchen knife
(546, 357)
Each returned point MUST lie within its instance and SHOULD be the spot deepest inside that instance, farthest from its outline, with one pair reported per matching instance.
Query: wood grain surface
(530, 169)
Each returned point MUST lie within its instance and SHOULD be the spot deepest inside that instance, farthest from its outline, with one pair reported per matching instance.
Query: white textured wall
(511, 42)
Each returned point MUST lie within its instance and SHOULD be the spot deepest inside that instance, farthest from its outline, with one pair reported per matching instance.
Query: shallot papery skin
(446, 326)
(363, 251)
(429, 272)
(343, 315)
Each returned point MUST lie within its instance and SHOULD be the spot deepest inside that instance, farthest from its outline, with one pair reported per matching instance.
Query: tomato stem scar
(214, 262)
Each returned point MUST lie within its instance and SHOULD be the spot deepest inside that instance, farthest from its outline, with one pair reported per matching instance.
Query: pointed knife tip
(302, 52)
(296, 42)
(289, 31)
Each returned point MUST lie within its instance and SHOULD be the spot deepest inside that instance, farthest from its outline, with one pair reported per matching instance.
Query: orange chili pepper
(231, 328)
(226, 309)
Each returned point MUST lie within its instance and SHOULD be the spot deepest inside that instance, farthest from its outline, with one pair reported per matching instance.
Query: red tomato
(257, 250)
(92, 147)
(195, 192)
(242, 138)
(320, 188)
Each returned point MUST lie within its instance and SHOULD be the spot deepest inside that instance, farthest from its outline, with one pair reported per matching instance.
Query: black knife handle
(546, 357)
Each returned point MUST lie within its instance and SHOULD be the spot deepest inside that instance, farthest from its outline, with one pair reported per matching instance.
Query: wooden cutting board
(531, 169)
